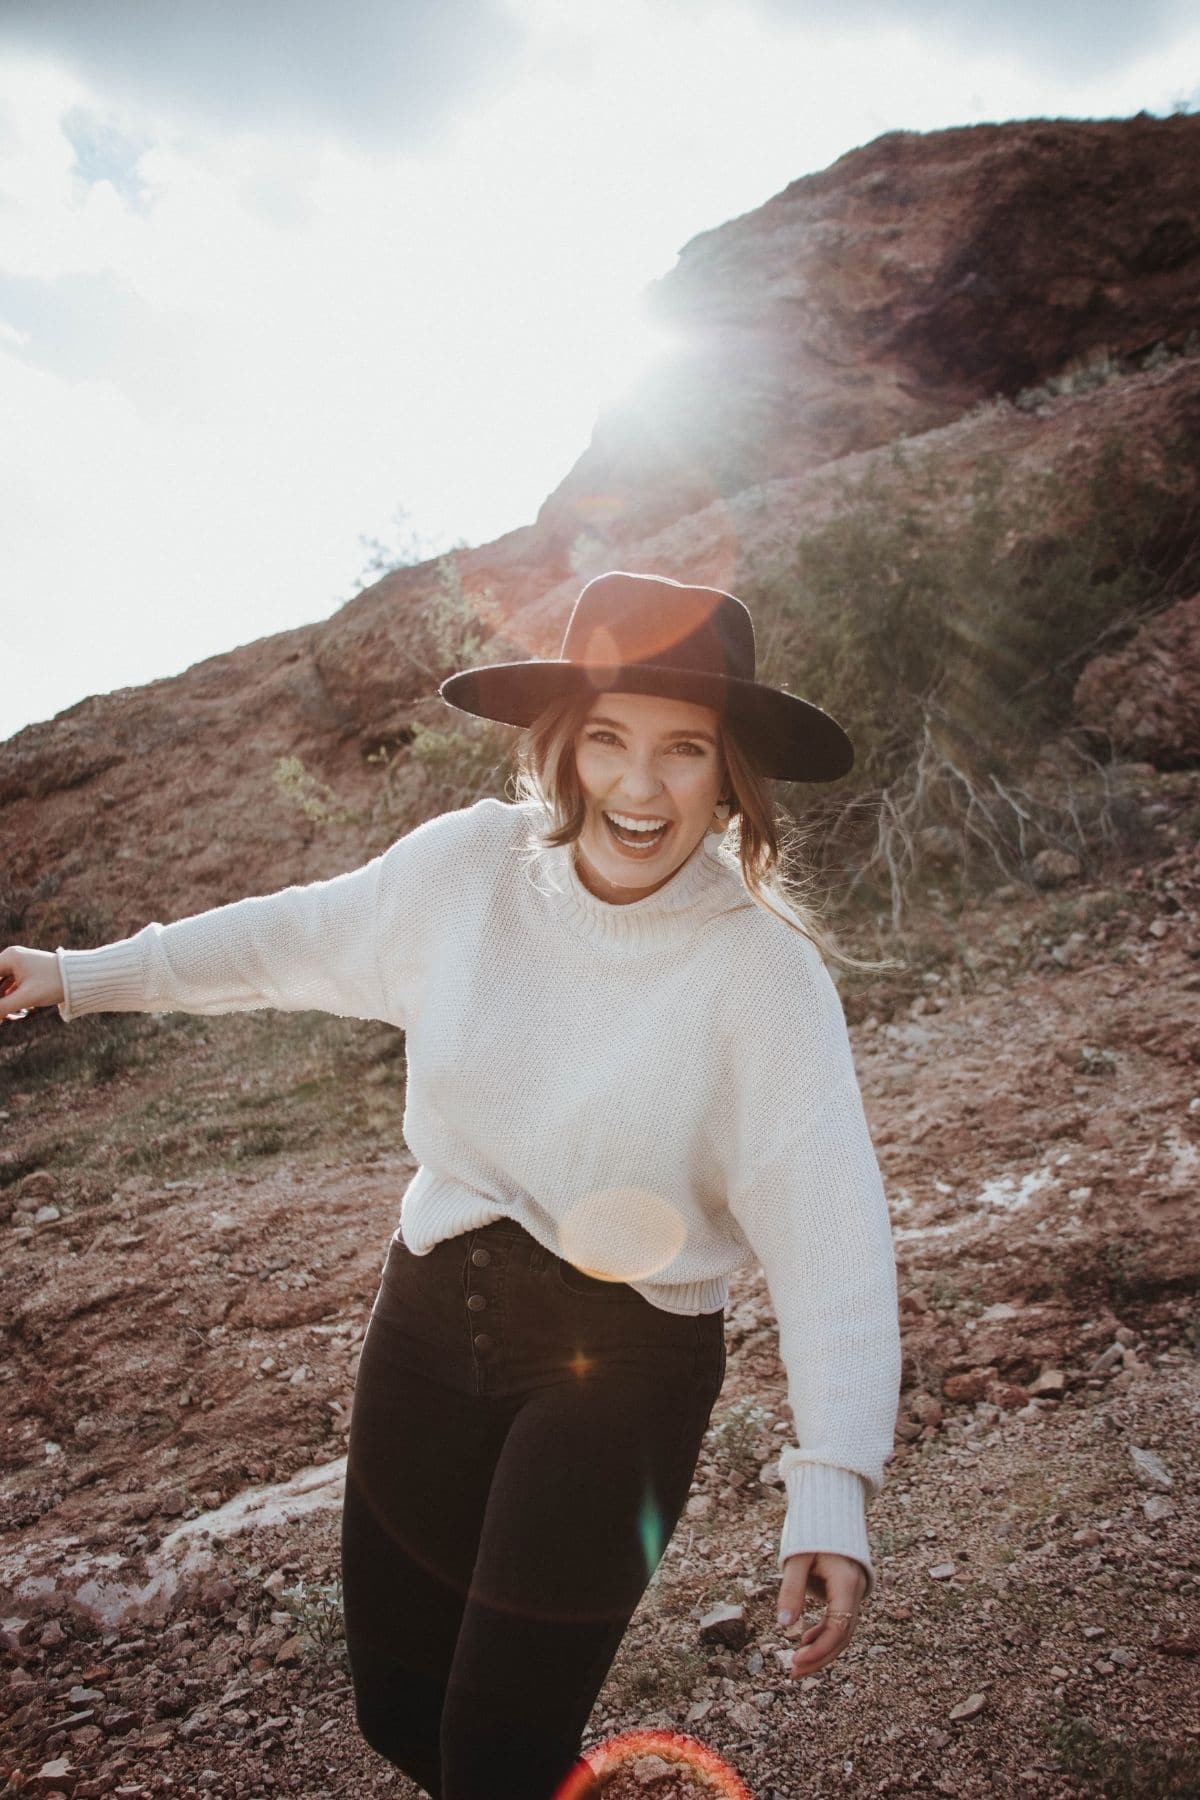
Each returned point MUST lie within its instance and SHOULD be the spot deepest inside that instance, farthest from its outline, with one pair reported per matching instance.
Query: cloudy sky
(280, 278)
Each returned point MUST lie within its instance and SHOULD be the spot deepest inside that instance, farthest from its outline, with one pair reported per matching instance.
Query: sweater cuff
(826, 1510)
(105, 980)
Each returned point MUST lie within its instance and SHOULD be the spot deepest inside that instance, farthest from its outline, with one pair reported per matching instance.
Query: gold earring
(721, 812)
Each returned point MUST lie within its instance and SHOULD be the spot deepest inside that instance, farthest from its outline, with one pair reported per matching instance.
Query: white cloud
(227, 354)
(369, 72)
(1071, 39)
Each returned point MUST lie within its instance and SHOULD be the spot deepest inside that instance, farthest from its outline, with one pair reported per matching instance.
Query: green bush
(923, 602)
(36, 915)
(316, 1607)
(1122, 1768)
(434, 767)
(944, 621)
(95, 1049)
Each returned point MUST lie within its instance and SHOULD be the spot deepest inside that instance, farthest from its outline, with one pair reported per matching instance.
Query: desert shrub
(969, 607)
(944, 620)
(317, 1609)
(456, 763)
(434, 766)
(384, 559)
(1101, 366)
(95, 1049)
(1121, 1768)
(36, 914)
(451, 628)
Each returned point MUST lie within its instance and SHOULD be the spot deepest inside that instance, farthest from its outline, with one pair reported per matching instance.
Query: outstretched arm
(302, 947)
(316, 946)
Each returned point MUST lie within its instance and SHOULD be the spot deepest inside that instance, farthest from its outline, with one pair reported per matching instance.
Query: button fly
(476, 1302)
(481, 1258)
(482, 1341)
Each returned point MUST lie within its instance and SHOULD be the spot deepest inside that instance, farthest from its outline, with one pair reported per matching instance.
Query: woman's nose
(640, 785)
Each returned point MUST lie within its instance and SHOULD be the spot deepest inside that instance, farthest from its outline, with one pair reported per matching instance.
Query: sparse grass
(44, 1154)
(974, 1303)
(943, 1599)
(316, 1607)
(200, 1093)
(95, 1049)
(1096, 369)
(1095, 1060)
(1123, 1769)
(943, 1290)
(1115, 1272)
(739, 1438)
(643, 1678)
(1102, 905)
(36, 915)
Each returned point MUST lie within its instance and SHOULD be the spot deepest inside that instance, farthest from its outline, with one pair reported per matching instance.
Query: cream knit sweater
(661, 1091)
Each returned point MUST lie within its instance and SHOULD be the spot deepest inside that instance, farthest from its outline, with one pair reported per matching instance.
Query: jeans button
(482, 1341)
(476, 1302)
(481, 1258)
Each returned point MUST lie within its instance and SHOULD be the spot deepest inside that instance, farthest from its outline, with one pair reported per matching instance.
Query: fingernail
(786, 1615)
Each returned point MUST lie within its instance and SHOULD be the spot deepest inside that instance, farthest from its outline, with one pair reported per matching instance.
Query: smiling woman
(622, 1087)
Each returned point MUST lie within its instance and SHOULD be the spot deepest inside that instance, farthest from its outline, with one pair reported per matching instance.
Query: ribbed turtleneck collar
(710, 881)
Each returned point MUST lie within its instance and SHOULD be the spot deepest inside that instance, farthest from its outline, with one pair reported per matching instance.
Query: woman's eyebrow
(598, 719)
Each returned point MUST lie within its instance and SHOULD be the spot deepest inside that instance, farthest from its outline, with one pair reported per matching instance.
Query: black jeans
(522, 1442)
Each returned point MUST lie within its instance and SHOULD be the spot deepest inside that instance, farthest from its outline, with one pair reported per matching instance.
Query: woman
(628, 1075)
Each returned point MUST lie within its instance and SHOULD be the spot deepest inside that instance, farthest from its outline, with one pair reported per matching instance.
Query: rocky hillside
(883, 298)
(887, 295)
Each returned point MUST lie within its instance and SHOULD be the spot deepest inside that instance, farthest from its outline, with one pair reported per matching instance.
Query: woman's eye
(599, 737)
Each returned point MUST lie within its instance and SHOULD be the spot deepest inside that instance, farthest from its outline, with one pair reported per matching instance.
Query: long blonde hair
(758, 832)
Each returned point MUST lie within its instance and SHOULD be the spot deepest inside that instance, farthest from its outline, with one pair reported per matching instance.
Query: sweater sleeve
(348, 945)
(813, 1210)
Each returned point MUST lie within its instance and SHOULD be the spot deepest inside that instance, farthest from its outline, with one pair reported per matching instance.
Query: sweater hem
(436, 1206)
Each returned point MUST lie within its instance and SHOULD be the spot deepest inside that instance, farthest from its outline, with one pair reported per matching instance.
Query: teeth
(628, 824)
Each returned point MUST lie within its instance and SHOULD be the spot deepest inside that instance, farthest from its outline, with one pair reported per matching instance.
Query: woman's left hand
(838, 1583)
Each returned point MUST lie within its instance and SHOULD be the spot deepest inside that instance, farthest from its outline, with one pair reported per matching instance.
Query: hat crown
(648, 634)
(622, 619)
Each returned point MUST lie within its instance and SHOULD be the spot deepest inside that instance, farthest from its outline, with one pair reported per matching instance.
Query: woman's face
(641, 758)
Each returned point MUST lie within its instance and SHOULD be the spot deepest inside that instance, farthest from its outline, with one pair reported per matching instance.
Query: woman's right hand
(28, 978)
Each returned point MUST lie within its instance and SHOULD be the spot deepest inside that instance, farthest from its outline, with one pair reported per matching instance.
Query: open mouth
(636, 843)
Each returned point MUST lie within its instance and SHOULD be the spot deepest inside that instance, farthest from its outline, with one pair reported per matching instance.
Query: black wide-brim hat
(648, 634)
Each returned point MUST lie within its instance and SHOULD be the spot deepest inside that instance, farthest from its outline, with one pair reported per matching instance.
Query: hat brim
(787, 738)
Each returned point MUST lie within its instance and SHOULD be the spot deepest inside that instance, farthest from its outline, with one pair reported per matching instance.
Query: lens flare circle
(648, 1229)
(603, 1761)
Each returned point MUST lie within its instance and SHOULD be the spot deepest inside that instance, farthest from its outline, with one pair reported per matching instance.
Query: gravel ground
(1036, 1626)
